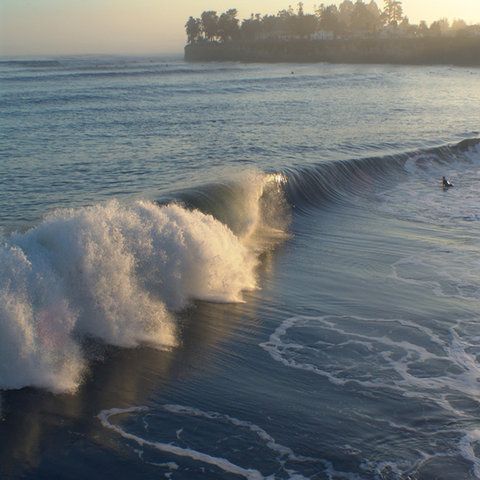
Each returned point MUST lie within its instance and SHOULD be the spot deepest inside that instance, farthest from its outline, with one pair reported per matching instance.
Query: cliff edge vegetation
(350, 33)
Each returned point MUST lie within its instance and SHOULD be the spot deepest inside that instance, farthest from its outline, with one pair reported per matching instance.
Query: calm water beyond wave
(221, 271)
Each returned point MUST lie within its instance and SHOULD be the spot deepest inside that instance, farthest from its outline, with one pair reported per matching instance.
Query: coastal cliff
(406, 51)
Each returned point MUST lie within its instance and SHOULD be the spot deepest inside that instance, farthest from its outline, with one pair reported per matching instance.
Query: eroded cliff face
(415, 51)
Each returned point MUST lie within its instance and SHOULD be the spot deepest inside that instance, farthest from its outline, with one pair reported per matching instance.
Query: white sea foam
(36, 323)
(223, 464)
(436, 366)
(421, 197)
(257, 210)
(114, 272)
(381, 354)
(450, 271)
(262, 434)
(467, 451)
(283, 454)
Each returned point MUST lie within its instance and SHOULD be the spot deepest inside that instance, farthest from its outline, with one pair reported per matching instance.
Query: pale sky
(49, 27)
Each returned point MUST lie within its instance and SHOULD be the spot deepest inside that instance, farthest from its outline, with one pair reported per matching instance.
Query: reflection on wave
(35, 420)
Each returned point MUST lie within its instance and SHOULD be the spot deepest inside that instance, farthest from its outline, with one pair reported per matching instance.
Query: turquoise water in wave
(231, 271)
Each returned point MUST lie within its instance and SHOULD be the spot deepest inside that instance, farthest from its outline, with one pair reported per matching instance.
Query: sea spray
(36, 324)
(117, 273)
(258, 205)
(252, 204)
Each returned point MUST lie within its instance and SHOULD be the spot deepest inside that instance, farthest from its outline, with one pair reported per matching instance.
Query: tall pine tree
(393, 12)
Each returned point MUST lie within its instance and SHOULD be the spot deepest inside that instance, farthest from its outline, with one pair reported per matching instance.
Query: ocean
(221, 271)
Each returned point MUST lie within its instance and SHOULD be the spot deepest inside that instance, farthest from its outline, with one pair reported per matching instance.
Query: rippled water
(228, 270)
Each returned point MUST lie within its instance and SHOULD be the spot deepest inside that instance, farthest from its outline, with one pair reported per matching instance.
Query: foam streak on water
(282, 455)
(221, 463)
(391, 362)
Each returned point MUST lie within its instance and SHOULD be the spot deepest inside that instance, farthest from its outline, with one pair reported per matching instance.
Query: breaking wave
(117, 273)
(341, 182)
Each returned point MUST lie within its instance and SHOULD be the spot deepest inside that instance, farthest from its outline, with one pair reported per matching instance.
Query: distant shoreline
(457, 51)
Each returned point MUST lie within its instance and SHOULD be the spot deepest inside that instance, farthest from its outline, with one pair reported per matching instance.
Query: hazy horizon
(148, 27)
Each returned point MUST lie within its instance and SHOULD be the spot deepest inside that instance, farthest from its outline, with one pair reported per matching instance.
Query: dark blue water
(223, 271)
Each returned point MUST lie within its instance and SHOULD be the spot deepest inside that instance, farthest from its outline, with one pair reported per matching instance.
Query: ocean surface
(222, 271)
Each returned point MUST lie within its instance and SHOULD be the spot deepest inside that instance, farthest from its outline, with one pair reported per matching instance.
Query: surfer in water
(446, 183)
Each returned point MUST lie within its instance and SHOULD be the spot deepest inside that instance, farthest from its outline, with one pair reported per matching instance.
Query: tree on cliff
(373, 7)
(345, 10)
(329, 19)
(364, 19)
(351, 19)
(269, 25)
(252, 27)
(194, 29)
(303, 25)
(307, 25)
(287, 21)
(458, 25)
(440, 27)
(422, 29)
(227, 25)
(210, 24)
(376, 12)
(393, 12)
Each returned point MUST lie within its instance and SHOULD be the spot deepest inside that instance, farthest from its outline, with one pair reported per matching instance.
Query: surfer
(446, 183)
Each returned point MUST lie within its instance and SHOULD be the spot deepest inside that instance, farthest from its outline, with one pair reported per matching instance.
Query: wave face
(116, 273)
(340, 181)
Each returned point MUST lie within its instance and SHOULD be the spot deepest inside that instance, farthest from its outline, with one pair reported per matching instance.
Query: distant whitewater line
(30, 63)
(460, 51)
